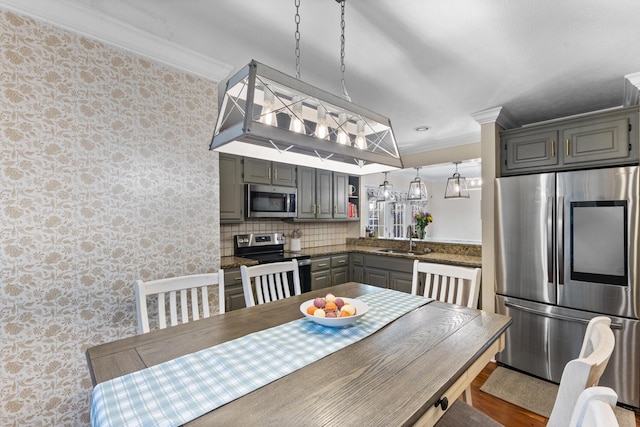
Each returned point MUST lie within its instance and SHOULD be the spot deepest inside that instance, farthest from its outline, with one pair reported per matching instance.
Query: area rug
(534, 394)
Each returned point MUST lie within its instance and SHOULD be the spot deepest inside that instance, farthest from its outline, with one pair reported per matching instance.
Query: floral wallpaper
(105, 177)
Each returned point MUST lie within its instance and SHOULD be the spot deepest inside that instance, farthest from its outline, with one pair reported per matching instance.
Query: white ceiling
(418, 62)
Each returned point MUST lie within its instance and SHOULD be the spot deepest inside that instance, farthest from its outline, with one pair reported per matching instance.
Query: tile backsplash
(314, 234)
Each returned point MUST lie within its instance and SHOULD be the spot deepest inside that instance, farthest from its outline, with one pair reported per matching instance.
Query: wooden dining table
(399, 375)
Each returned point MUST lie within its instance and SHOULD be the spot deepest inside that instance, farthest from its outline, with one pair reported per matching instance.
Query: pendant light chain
(342, 67)
(297, 35)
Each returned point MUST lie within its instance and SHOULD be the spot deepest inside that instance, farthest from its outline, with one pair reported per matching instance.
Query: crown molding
(469, 138)
(498, 115)
(631, 89)
(90, 23)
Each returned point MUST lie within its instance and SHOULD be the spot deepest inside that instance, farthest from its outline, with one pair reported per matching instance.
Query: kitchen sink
(395, 251)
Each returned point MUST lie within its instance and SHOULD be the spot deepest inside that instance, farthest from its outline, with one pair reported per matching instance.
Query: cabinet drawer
(320, 264)
(339, 261)
(357, 259)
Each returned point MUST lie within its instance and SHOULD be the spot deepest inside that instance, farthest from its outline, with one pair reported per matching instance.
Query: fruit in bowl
(334, 311)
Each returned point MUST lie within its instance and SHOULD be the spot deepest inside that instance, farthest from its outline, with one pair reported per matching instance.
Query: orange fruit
(344, 314)
(311, 309)
(330, 306)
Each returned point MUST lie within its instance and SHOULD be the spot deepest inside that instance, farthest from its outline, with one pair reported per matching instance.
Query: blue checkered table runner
(180, 390)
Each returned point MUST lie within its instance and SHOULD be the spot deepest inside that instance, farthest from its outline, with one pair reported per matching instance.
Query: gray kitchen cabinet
(329, 271)
(233, 291)
(376, 277)
(388, 272)
(320, 272)
(258, 171)
(231, 189)
(600, 139)
(357, 268)
(322, 194)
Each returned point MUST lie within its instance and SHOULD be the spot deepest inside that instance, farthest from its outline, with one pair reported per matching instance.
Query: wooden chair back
(269, 282)
(447, 283)
(595, 408)
(187, 287)
(585, 371)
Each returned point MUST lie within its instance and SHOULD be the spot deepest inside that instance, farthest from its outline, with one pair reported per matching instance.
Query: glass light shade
(297, 123)
(343, 137)
(385, 191)
(417, 189)
(361, 139)
(456, 187)
(242, 119)
(322, 128)
(268, 116)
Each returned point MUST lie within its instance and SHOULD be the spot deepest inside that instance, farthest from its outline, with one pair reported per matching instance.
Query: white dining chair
(594, 408)
(269, 282)
(447, 283)
(583, 372)
(187, 288)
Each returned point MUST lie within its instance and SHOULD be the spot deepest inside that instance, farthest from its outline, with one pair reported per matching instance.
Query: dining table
(405, 372)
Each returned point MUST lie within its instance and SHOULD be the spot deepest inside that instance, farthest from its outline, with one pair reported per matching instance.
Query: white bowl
(360, 306)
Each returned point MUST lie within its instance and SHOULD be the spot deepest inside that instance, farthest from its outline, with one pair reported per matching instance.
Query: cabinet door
(306, 192)
(320, 279)
(234, 293)
(340, 193)
(283, 174)
(357, 274)
(400, 281)
(526, 151)
(231, 189)
(257, 171)
(376, 277)
(324, 194)
(594, 142)
(339, 275)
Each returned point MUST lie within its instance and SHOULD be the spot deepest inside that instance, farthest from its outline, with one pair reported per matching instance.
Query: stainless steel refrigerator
(567, 251)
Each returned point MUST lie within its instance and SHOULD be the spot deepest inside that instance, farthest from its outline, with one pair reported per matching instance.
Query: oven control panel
(259, 239)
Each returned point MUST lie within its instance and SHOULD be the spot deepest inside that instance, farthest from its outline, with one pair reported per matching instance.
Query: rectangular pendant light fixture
(267, 114)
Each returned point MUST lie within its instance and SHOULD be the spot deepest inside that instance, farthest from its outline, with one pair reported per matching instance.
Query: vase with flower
(422, 220)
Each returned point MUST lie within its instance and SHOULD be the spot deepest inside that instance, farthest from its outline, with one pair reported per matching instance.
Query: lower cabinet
(329, 271)
(357, 267)
(234, 294)
(388, 272)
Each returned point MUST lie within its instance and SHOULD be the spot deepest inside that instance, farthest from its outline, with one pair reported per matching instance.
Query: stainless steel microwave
(270, 201)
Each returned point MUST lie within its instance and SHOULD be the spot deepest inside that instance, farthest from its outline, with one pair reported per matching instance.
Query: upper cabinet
(322, 194)
(231, 189)
(601, 139)
(265, 172)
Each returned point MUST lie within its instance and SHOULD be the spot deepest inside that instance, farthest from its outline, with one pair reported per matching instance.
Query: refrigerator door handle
(550, 240)
(560, 234)
(555, 315)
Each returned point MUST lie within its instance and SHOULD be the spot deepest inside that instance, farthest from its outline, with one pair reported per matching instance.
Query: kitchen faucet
(412, 244)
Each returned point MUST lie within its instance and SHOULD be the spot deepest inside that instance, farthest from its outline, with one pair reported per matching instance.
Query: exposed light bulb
(361, 140)
(296, 117)
(322, 130)
(268, 114)
(343, 138)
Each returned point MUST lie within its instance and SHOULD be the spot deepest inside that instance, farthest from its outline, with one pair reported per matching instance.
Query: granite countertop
(442, 253)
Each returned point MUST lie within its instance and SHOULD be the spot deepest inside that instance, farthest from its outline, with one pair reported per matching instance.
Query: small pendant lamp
(456, 186)
(384, 191)
(417, 189)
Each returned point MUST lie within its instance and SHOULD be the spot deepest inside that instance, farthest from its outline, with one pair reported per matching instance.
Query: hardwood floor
(504, 412)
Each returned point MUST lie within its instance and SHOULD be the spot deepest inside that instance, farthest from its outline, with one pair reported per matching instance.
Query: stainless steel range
(269, 247)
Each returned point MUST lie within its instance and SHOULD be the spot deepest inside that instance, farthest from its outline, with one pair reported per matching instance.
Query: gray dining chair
(183, 289)
(269, 282)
